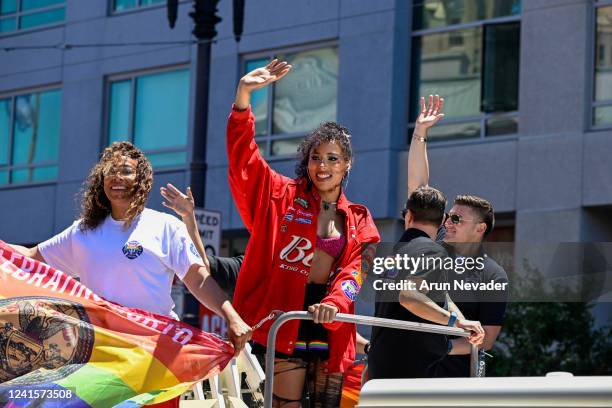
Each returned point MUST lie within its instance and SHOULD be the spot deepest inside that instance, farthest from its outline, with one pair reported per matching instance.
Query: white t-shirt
(133, 267)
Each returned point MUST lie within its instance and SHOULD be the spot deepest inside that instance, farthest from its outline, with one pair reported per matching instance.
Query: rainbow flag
(61, 345)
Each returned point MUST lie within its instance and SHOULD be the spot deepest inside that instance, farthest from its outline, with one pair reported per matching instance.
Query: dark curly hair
(325, 133)
(95, 206)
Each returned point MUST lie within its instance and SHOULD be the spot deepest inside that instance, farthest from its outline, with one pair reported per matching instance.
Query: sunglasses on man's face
(456, 219)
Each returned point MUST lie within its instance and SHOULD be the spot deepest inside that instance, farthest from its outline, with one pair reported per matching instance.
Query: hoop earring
(345, 179)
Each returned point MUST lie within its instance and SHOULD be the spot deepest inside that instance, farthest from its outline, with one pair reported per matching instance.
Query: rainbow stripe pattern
(63, 346)
(318, 345)
(312, 345)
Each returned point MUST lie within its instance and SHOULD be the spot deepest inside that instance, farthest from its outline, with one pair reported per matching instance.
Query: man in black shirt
(398, 353)
(462, 237)
(488, 307)
(468, 223)
(225, 271)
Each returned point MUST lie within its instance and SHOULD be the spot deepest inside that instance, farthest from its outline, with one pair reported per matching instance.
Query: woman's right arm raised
(257, 79)
(251, 179)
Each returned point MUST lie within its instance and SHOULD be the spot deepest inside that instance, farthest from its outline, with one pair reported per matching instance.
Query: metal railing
(357, 319)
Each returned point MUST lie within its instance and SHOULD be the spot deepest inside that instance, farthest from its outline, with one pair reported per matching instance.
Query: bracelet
(419, 138)
(366, 348)
(452, 319)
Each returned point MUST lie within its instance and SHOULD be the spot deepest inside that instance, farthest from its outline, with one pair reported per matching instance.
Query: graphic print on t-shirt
(193, 250)
(132, 249)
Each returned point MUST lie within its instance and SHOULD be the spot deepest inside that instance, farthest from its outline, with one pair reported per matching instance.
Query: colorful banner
(61, 345)
(351, 387)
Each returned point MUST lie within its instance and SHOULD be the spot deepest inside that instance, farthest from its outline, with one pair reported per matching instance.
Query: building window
(151, 111)
(301, 101)
(122, 5)
(468, 52)
(23, 14)
(602, 104)
(29, 136)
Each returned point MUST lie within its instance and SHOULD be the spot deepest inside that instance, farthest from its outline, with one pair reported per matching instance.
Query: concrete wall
(32, 213)
(554, 176)
(358, 28)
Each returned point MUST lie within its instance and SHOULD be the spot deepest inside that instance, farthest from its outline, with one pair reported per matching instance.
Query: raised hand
(182, 204)
(258, 78)
(430, 113)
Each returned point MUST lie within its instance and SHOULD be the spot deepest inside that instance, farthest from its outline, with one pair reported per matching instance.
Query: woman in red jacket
(304, 251)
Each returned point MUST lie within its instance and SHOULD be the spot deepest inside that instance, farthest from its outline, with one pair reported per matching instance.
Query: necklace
(326, 205)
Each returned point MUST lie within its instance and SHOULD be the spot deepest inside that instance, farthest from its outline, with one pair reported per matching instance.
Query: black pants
(311, 353)
(400, 355)
(312, 341)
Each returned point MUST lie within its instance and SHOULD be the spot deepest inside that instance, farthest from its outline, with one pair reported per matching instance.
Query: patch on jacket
(301, 202)
(350, 289)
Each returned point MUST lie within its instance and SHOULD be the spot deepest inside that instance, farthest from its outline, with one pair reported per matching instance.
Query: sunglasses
(125, 171)
(456, 219)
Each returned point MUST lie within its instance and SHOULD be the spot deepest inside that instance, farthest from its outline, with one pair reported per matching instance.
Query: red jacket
(281, 216)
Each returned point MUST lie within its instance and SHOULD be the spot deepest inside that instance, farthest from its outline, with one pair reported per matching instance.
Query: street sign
(212, 323)
(209, 224)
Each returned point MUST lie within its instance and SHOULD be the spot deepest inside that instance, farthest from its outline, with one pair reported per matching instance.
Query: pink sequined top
(333, 246)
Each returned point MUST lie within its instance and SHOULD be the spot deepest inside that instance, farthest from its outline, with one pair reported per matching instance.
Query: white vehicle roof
(554, 390)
